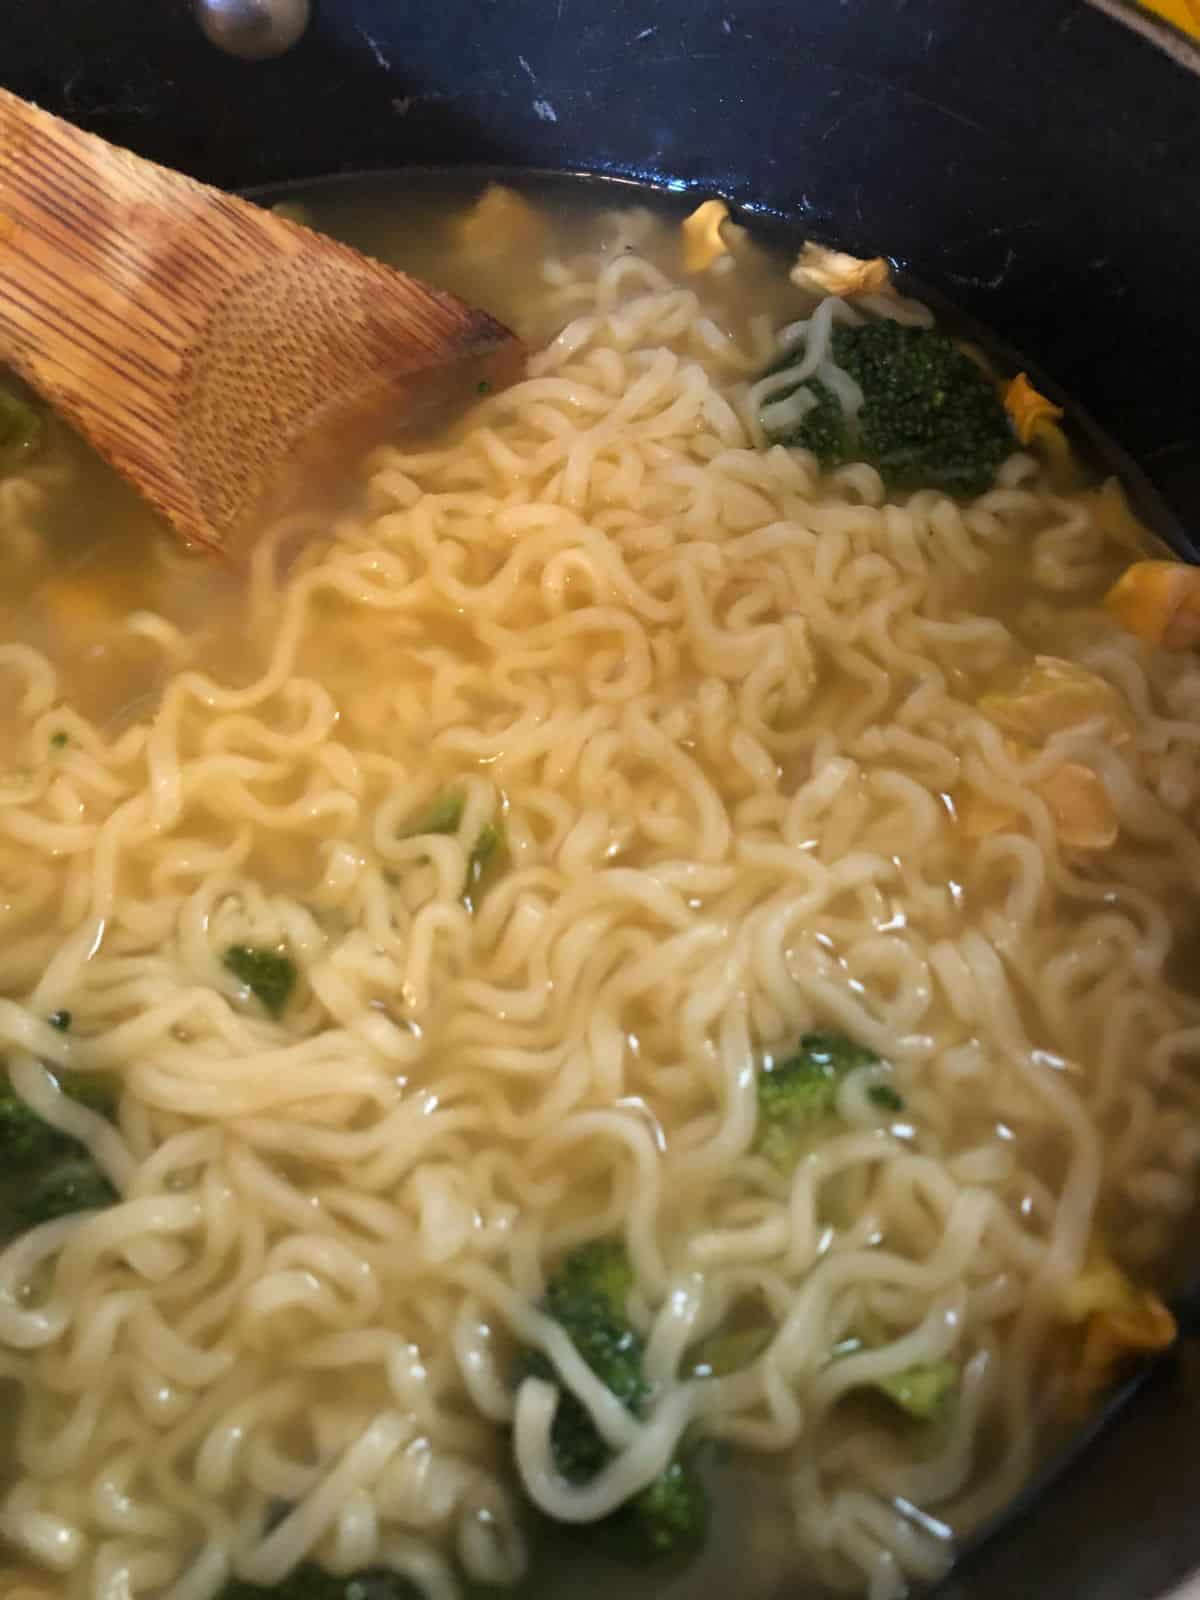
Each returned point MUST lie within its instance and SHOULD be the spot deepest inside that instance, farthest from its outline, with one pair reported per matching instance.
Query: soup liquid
(101, 586)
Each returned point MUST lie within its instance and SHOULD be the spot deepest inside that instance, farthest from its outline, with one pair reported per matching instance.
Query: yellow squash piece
(979, 815)
(706, 235)
(1183, 14)
(833, 272)
(1052, 694)
(1159, 601)
(499, 220)
(1029, 410)
(1120, 1320)
(1084, 815)
(1036, 422)
(1083, 812)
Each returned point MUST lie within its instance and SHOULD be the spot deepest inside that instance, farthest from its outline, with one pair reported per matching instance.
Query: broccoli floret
(310, 1582)
(822, 429)
(579, 1451)
(794, 1095)
(442, 815)
(486, 861)
(669, 1516)
(925, 1390)
(587, 1297)
(268, 974)
(58, 1176)
(930, 418)
(27, 1142)
(74, 1186)
(600, 1270)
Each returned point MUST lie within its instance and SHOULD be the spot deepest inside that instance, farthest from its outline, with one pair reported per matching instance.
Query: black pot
(1038, 163)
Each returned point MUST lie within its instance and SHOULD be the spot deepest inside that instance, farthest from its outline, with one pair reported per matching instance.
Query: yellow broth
(151, 642)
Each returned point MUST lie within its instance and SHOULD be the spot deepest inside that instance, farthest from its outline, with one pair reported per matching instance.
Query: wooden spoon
(197, 340)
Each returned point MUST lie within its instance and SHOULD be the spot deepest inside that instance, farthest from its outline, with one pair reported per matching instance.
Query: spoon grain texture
(199, 341)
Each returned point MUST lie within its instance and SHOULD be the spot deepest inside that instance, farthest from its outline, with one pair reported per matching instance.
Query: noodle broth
(430, 898)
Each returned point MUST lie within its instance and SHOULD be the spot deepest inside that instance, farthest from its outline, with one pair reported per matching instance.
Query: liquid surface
(761, 752)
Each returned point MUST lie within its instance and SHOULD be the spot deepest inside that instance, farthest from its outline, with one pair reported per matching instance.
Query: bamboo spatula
(197, 340)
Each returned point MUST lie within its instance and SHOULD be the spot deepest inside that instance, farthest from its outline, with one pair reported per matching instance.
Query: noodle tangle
(727, 713)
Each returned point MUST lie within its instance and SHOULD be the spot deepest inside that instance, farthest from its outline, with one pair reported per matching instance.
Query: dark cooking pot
(1037, 163)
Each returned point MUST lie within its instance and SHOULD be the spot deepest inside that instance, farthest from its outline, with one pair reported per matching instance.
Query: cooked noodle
(728, 711)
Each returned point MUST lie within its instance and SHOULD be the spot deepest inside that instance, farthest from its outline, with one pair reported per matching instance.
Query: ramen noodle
(464, 883)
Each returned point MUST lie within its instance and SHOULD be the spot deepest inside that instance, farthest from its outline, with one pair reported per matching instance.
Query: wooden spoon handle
(191, 336)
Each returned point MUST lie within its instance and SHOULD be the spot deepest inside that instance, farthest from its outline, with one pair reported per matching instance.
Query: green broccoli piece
(669, 1516)
(600, 1270)
(823, 429)
(587, 1297)
(579, 1451)
(20, 429)
(442, 815)
(486, 861)
(924, 1391)
(74, 1186)
(27, 1142)
(268, 974)
(930, 418)
(796, 1094)
(310, 1582)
